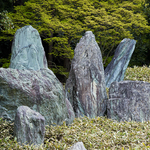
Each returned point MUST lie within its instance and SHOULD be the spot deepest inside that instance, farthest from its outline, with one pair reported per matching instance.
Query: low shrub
(96, 134)
(138, 73)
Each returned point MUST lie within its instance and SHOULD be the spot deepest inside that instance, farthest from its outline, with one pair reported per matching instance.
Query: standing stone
(30, 83)
(116, 68)
(129, 100)
(29, 126)
(27, 50)
(85, 87)
(77, 146)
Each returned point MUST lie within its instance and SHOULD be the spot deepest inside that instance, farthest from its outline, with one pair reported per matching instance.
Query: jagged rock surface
(129, 100)
(39, 90)
(29, 126)
(116, 68)
(29, 82)
(77, 146)
(85, 87)
(27, 50)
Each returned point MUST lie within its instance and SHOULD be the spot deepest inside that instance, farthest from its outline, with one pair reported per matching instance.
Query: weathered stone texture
(71, 114)
(29, 82)
(39, 90)
(129, 100)
(29, 126)
(116, 68)
(27, 50)
(85, 87)
(77, 146)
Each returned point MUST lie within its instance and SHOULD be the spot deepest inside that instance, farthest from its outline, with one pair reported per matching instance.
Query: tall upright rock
(29, 82)
(116, 68)
(85, 87)
(27, 50)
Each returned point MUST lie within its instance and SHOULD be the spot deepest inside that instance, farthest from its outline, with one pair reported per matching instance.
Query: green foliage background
(62, 23)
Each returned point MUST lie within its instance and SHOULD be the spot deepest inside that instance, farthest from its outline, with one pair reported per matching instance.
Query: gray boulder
(129, 100)
(29, 82)
(85, 87)
(29, 126)
(27, 50)
(39, 90)
(77, 146)
(116, 68)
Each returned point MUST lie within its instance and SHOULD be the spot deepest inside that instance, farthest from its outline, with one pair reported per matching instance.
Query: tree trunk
(67, 60)
(50, 57)
(67, 64)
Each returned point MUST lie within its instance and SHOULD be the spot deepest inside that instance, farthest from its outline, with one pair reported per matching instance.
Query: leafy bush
(107, 60)
(97, 133)
(5, 22)
(138, 73)
(5, 61)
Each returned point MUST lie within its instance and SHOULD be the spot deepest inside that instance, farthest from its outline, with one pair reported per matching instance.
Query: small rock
(29, 126)
(77, 146)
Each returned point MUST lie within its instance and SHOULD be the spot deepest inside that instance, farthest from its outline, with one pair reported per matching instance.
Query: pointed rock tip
(127, 39)
(26, 27)
(89, 33)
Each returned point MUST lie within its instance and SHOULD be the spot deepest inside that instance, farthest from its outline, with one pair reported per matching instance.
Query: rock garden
(37, 112)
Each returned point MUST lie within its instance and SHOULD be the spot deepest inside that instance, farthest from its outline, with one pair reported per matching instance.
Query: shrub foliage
(138, 73)
(97, 133)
